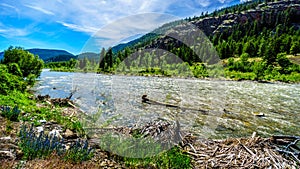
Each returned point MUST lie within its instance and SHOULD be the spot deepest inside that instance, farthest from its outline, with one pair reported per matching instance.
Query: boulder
(7, 155)
(70, 134)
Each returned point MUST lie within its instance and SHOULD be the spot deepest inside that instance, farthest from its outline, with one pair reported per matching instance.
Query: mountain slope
(47, 54)
(252, 41)
(223, 21)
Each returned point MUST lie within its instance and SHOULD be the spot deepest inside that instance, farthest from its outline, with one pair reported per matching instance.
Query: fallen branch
(149, 101)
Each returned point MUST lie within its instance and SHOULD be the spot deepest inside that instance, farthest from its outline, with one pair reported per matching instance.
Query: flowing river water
(231, 106)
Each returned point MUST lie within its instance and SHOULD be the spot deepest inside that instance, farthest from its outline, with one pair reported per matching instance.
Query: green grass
(173, 158)
(140, 152)
(31, 113)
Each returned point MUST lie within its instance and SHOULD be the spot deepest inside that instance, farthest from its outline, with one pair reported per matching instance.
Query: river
(116, 101)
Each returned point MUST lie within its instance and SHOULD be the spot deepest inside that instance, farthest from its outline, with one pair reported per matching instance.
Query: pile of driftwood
(254, 152)
(62, 102)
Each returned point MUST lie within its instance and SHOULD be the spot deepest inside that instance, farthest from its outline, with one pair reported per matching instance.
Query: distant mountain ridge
(90, 56)
(48, 55)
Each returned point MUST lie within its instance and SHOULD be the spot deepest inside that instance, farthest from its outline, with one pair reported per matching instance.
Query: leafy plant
(78, 152)
(11, 114)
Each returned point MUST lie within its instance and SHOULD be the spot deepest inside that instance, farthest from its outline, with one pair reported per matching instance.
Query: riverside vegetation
(22, 114)
(255, 41)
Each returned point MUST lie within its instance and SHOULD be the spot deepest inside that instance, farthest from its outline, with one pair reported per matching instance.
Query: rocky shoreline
(278, 152)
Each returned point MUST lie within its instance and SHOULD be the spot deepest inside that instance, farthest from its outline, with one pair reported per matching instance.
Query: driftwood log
(150, 101)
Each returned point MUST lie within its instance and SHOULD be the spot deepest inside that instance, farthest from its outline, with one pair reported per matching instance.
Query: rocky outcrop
(211, 25)
(263, 13)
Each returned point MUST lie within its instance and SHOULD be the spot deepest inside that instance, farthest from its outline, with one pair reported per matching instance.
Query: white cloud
(8, 10)
(9, 6)
(110, 21)
(79, 28)
(117, 31)
(13, 32)
(78, 14)
(245, 1)
(40, 9)
(204, 3)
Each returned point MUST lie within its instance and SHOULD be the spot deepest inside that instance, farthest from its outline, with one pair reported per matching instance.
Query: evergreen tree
(102, 59)
(109, 56)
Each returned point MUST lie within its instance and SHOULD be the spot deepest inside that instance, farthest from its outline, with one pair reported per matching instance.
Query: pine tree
(102, 59)
(109, 56)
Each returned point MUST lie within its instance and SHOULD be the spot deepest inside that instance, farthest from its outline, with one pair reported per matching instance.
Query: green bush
(11, 114)
(27, 62)
(10, 82)
(173, 158)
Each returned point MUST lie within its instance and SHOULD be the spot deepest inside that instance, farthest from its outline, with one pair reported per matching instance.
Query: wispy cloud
(115, 32)
(108, 21)
(9, 6)
(245, 1)
(40, 9)
(13, 32)
(79, 28)
(204, 3)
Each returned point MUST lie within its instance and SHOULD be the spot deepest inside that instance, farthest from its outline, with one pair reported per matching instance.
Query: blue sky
(87, 25)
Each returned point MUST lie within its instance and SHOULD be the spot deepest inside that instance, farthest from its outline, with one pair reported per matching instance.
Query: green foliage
(14, 69)
(258, 69)
(11, 114)
(19, 99)
(18, 69)
(140, 152)
(199, 70)
(27, 62)
(10, 82)
(295, 48)
(63, 65)
(49, 114)
(283, 62)
(130, 146)
(173, 158)
(78, 152)
(23, 101)
(265, 37)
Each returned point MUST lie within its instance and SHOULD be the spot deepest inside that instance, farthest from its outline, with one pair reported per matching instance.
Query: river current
(232, 107)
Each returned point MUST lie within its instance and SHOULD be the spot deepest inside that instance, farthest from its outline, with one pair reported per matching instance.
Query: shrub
(78, 152)
(27, 62)
(10, 82)
(11, 114)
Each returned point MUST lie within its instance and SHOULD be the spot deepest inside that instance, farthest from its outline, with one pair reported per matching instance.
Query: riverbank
(218, 75)
(189, 152)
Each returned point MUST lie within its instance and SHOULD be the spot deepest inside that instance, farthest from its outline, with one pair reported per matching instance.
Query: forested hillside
(256, 40)
(49, 55)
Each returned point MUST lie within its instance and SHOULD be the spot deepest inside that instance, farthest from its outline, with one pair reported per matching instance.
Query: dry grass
(294, 59)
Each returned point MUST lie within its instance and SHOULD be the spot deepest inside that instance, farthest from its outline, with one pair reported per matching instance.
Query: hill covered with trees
(49, 55)
(257, 40)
